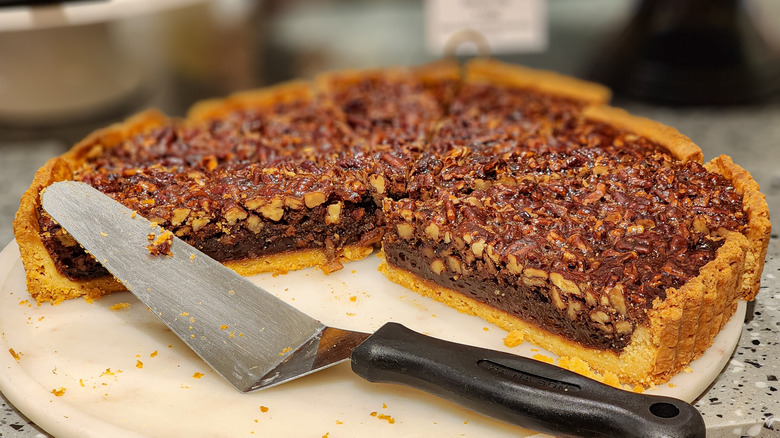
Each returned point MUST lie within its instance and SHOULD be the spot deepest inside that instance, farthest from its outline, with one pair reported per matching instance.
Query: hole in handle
(664, 410)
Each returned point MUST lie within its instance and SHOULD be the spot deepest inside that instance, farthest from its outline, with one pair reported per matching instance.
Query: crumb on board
(579, 366)
(59, 392)
(263, 409)
(139, 364)
(543, 358)
(514, 338)
(197, 375)
(14, 354)
(120, 306)
(387, 418)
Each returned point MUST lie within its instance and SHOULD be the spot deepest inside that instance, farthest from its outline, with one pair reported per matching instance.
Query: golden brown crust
(681, 329)
(328, 82)
(427, 74)
(213, 109)
(679, 145)
(496, 72)
(294, 260)
(43, 280)
(436, 71)
(758, 228)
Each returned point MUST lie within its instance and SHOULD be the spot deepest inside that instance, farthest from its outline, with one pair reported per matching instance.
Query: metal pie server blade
(246, 334)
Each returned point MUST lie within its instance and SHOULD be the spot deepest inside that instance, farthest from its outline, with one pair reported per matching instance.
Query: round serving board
(111, 368)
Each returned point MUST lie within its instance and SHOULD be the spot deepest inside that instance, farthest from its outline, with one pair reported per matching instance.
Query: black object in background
(690, 52)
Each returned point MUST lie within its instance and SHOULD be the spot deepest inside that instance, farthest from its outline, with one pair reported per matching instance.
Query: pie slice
(593, 233)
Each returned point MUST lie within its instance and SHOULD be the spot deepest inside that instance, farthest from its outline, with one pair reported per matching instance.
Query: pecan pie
(512, 194)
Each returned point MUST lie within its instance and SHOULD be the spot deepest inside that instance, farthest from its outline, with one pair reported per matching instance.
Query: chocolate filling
(505, 292)
(361, 225)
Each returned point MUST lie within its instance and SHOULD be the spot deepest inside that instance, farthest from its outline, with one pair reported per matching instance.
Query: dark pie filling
(361, 225)
(508, 293)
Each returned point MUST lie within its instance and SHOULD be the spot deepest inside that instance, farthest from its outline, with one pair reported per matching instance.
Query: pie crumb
(579, 366)
(120, 306)
(514, 338)
(14, 354)
(387, 418)
(160, 245)
(543, 358)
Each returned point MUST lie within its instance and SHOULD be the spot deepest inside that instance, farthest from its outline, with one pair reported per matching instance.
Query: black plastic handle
(519, 390)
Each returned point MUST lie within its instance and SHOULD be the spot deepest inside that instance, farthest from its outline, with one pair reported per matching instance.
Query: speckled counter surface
(743, 401)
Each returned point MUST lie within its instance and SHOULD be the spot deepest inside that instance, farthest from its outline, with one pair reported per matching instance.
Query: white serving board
(125, 375)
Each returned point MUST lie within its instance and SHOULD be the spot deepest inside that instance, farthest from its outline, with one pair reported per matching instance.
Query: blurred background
(707, 67)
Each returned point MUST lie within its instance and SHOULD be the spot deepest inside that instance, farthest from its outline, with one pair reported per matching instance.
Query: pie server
(254, 340)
